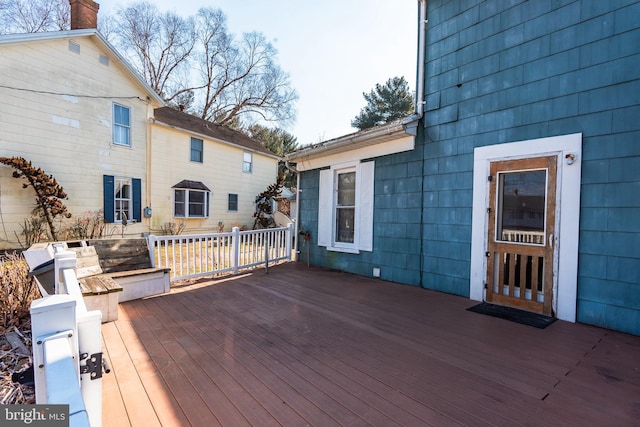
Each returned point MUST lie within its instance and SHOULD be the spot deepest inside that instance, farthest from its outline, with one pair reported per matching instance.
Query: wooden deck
(305, 346)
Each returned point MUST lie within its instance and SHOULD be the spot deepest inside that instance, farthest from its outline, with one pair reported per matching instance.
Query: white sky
(333, 50)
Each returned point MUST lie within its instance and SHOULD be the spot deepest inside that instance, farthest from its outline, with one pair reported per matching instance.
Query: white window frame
(119, 183)
(363, 216)
(247, 165)
(187, 195)
(119, 126)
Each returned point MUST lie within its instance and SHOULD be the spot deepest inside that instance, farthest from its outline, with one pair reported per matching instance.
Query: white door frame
(568, 148)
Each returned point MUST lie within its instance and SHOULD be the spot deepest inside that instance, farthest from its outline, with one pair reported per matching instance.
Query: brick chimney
(84, 14)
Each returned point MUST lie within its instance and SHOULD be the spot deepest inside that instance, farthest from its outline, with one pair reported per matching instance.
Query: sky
(333, 50)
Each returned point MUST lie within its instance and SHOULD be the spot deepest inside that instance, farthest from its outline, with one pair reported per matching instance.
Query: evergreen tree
(279, 142)
(385, 103)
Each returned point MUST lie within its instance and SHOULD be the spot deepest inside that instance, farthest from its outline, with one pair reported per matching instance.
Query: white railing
(67, 353)
(195, 255)
(520, 236)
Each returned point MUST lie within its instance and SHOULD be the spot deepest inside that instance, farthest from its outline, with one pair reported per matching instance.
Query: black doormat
(513, 314)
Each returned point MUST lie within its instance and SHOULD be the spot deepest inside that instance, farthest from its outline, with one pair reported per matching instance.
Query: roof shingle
(188, 122)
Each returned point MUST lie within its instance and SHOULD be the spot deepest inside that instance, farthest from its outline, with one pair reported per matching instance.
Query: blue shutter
(108, 188)
(137, 199)
(207, 205)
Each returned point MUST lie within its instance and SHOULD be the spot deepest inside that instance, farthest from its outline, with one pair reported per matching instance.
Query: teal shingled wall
(504, 71)
(397, 214)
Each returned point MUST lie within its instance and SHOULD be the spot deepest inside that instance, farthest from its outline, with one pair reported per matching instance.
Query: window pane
(233, 202)
(246, 162)
(123, 190)
(521, 206)
(122, 210)
(121, 135)
(196, 203)
(347, 189)
(121, 115)
(196, 150)
(121, 125)
(345, 225)
(178, 207)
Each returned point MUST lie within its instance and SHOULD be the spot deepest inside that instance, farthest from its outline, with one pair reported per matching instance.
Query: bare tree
(159, 44)
(195, 61)
(33, 16)
(240, 78)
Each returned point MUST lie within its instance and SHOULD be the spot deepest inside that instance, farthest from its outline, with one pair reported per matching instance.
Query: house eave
(377, 141)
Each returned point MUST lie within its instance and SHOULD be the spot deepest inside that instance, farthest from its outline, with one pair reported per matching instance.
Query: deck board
(307, 346)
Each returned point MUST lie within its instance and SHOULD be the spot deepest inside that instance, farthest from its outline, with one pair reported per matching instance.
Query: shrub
(90, 225)
(17, 288)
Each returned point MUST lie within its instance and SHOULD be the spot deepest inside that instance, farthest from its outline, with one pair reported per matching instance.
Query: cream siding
(67, 135)
(221, 171)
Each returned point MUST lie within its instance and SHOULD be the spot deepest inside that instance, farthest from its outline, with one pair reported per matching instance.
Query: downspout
(420, 107)
(422, 35)
(297, 217)
(149, 165)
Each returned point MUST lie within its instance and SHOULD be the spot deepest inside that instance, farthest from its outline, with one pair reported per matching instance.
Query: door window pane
(521, 207)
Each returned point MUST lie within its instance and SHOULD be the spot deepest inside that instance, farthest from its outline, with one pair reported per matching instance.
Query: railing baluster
(208, 254)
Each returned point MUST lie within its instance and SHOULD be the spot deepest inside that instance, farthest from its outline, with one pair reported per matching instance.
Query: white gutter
(403, 125)
(421, 56)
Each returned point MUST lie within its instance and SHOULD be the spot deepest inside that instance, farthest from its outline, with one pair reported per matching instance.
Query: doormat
(513, 314)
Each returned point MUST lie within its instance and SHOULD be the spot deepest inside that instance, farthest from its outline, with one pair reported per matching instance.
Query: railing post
(151, 245)
(49, 316)
(266, 253)
(235, 247)
(61, 357)
(63, 260)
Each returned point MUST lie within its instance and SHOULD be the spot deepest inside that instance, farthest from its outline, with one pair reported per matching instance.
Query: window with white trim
(345, 206)
(191, 199)
(123, 200)
(247, 162)
(121, 125)
(122, 196)
(345, 214)
(190, 203)
(197, 150)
